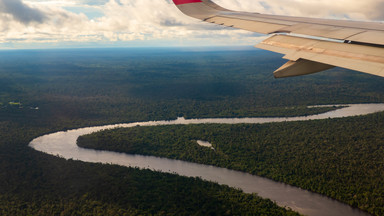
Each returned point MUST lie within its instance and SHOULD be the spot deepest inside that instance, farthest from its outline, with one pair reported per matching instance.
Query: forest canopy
(44, 91)
(340, 158)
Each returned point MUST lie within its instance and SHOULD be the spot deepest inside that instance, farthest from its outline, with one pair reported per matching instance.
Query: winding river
(63, 144)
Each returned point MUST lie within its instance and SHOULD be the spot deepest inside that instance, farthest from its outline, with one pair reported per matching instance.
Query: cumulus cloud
(121, 20)
(56, 21)
(21, 12)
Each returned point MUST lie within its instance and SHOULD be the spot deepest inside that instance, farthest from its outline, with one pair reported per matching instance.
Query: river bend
(63, 144)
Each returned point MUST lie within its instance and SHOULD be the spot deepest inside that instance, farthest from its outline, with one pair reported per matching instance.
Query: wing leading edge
(311, 45)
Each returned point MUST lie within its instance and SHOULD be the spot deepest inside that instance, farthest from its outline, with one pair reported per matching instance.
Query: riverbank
(64, 145)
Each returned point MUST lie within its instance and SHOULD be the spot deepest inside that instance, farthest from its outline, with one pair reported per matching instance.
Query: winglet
(180, 2)
(199, 9)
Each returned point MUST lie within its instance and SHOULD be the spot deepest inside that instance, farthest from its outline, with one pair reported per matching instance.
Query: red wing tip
(180, 2)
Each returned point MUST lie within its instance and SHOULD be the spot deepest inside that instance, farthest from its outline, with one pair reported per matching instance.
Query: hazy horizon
(31, 24)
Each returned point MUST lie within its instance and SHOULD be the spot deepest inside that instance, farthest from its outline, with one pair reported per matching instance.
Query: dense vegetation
(42, 185)
(76, 88)
(86, 86)
(341, 158)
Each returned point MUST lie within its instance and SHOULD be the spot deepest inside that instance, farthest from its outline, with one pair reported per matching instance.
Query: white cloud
(41, 21)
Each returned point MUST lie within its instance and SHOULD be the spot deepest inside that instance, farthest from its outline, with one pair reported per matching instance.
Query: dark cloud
(377, 13)
(171, 23)
(21, 12)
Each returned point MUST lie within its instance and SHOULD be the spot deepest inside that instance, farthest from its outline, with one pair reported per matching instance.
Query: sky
(31, 24)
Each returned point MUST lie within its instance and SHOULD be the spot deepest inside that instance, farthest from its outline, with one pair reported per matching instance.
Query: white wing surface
(311, 45)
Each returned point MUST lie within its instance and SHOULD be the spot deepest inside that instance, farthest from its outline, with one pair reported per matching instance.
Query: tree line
(340, 158)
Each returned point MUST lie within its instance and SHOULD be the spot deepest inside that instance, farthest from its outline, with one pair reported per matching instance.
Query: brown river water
(63, 144)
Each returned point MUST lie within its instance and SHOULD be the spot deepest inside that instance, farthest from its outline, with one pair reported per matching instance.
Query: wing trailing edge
(368, 59)
(327, 43)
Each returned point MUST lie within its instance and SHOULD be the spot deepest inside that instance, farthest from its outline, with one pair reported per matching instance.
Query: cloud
(94, 2)
(378, 11)
(121, 20)
(62, 21)
(21, 12)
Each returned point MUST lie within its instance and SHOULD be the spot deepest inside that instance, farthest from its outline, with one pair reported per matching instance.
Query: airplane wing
(311, 45)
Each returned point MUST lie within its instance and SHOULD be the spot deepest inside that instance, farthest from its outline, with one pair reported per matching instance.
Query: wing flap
(254, 26)
(370, 37)
(363, 52)
(322, 31)
(300, 67)
(363, 32)
(363, 58)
